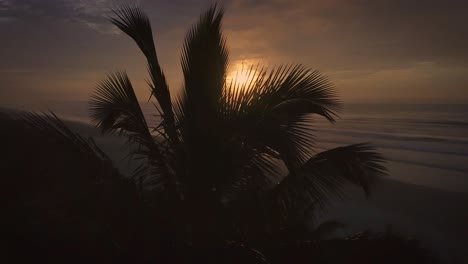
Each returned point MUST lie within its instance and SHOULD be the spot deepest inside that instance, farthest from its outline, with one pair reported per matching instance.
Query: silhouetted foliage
(213, 161)
(61, 195)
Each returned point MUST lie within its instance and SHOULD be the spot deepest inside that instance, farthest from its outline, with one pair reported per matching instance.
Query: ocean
(425, 144)
(431, 139)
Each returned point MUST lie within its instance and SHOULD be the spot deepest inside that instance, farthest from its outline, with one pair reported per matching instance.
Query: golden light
(241, 75)
(240, 78)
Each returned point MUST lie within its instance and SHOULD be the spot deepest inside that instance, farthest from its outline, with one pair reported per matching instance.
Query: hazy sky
(373, 51)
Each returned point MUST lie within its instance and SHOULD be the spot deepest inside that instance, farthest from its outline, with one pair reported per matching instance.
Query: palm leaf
(274, 110)
(114, 108)
(135, 23)
(52, 126)
(204, 61)
(292, 90)
(60, 186)
(323, 176)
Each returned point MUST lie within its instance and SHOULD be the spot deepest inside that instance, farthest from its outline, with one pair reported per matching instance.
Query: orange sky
(373, 51)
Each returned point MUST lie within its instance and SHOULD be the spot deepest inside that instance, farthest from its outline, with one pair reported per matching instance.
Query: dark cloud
(89, 13)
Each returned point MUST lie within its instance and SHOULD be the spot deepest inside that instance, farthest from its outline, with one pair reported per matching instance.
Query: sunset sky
(373, 51)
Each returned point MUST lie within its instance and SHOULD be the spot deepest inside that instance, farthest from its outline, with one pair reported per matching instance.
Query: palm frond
(292, 90)
(252, 173)
(270, 114)
(275, 109)
(50, 125)
(115, 108)
(204, 60)
(135, 23)
(323, 176)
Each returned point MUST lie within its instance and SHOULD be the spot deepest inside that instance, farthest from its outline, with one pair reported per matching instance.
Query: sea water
(425, 144)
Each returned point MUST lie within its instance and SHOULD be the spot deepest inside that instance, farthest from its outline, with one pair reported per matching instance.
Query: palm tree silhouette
(211, 168)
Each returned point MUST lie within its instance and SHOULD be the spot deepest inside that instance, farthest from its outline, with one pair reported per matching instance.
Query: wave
(373, 120)
(394, 137)
(462, 151)
(406, 155)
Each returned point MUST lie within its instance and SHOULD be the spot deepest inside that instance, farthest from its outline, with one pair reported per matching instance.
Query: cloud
(86, 12)
(363, 34)
(424, 82)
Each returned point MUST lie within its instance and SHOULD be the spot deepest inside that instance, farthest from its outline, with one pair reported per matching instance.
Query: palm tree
(219, 145)
(211, 167)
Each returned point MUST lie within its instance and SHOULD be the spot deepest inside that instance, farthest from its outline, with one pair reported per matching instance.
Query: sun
(241, 76)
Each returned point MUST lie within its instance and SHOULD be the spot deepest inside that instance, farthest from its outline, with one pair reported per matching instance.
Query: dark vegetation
(208, 187)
